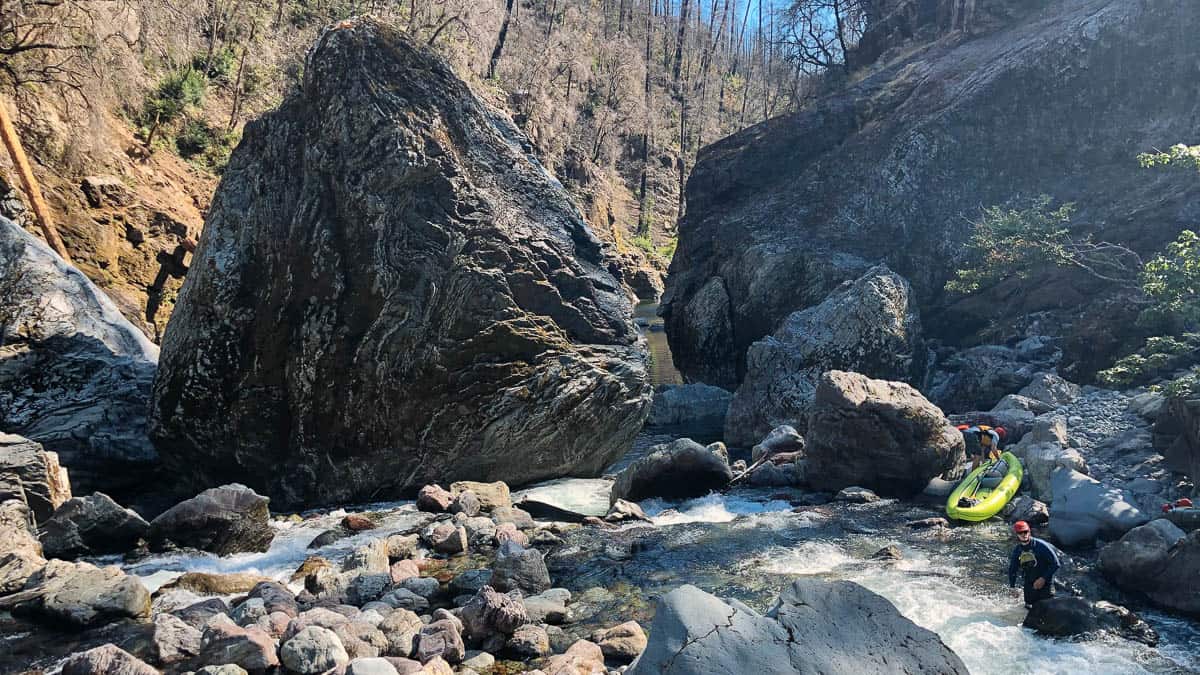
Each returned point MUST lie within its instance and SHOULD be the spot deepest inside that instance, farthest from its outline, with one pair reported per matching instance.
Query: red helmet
(1001, 432)
(1020, 526)
(963, 427)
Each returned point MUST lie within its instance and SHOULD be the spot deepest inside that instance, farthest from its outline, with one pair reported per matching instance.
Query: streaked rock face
(390, 292)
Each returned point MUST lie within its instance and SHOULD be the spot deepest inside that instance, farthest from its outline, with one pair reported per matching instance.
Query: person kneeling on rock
(983, 443)
(1036, 560)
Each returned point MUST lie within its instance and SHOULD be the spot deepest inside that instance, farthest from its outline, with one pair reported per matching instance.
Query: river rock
(690, 405)
(276, 597)
(313, 650)
(1071, 616)
(682, 468)
(16, 567)
(1177, 437)
(623, 510)
(440, 639)
(1042, 452)
(79, 595)
(490, 613)
(881, 435)
(1028, 509)
(864, 326)
(91, 525)
(494, 495)
(980, 378)
(173, 640)
(466, 503)
(1136, 559)
(529, 641)
(223, 520)
(250, 648)
(892, 164)
(814, 626)
(622, 643)
(548, 606)
(198, 614)
(371, 666)
(856, 495)
(206, 583)
(75, 376)
(106, 659)
(581, 658)
(372, 557)
(434, 499)
(1085, 509)
(17, 531)
(400, 628)
(782, 439)
(513, 514)
(519, 568)
(356, 522)
(486, 259)
(1024, 403)
(42, 479)
(1051, 390)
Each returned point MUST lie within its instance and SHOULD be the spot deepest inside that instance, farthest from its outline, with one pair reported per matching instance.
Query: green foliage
(666, 251)
(221, 68)
(1172, 281)
(205, 145)
(1160, 356)
(1179, 155)
(175, 94)
(1013, 240)
(1186, 385)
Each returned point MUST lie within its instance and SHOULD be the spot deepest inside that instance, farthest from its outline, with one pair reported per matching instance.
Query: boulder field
(391, 290)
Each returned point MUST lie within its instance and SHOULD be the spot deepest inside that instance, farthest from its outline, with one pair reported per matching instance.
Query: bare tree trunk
(495, 60)
(32, 190)
(643, 221)
(679, 38)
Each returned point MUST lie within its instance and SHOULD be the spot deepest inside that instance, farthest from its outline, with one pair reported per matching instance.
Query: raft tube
(988, 501)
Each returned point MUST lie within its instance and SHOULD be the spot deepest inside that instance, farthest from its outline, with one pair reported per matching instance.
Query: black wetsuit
(1036, 560)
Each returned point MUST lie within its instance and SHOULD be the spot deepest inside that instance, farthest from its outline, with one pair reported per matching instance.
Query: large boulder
(1043, 451)
(877, 434)
(390, 290)
(815, 626)
(17, 530)
(695, 404)
(1084, 509)
(1177, 436)
(91, 525)
(866, 326)
(980, 378)
(79, 595)
(1159, 560)
(1070, 616)
(107, 659)
(894, 165)
(43, 480)
(228, 519)
(75, 375)
(681, 468)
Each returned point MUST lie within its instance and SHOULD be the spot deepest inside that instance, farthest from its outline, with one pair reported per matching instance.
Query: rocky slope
(390, 289)
(892, 168)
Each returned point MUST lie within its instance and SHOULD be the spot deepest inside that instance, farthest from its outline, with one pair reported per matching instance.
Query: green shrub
(205, 145)
(175, 94)
(222, 67)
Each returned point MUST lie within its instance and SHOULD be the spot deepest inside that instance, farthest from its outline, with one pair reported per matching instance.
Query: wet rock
(1085, 509)
(623, 510)
(42, 479)
(465, 502)
(403, 570)
(518, 568)
(509, 532)
(79, 595)
(197, 615)
(889, 553)
(1028, 509)
(276, 597)
(223, 520)
(682, 468)
(928, 523)
(1157, 559)
(356, 522)
(494, 495)
(690, 405)
(440, 639)
(814, 626)
(402, 598)
(1071, 616)
(470, 582)
(581, 658)
(566, 390)
(622, 643)
(82, 384)
(313, 650)
(865, 326)
(490, 613)
(881, 435)
(514, 515)
(371, 666)
(106, 660)
(206, 583)
(548, 606)
(1051, 389)
(364, 587)
(372, 557)
(783, 438)
(480, 662)
(173, 640)
(329, 536)
(448, 538)
(529, 641)
(91, 525)
(434, 499)
(770, 474)
(856, 495)
(401, 546)
(250, 648)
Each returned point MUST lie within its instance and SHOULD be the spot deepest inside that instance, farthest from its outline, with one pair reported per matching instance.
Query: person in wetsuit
(1036, 560)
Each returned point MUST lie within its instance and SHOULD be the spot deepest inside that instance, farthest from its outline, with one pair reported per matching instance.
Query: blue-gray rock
(814, 627)
(91, 525)
(223, 520)
(682, 468)
(690, 405)
(1084, 510)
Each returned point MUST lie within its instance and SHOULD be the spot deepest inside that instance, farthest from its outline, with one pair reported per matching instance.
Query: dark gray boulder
(75, 375)
(228, 519)
(681, 468)
(689, 404)
(72, 596)
(895, 164)
(1084, 510)
(866, 326)
(1177, 436)
(815, 626)
(881, 435)
(91, 525)
(43, 482)
(1070, 616)
(1158, 560)
(391, 290)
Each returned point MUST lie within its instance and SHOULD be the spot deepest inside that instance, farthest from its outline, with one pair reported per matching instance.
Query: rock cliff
(893, 166)
(390, 291)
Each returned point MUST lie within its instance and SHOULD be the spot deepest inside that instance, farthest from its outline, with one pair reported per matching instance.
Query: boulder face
(228, 519)
(43, 481)
(877, 434)
(1177, 436)
(75, 375)
(390, 290)
(865, 326)
(815, 626)
(894, 166)
(681, 468)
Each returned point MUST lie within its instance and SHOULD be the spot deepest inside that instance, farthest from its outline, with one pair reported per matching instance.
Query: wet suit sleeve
(1013, 566)
(1047, 559)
